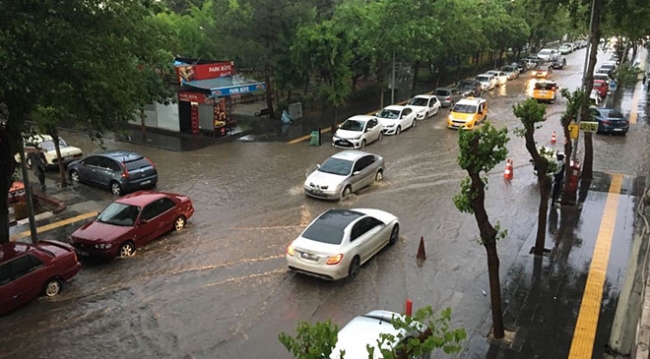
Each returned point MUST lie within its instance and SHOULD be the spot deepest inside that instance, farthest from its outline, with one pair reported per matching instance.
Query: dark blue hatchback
(610, 120)
(120, 171)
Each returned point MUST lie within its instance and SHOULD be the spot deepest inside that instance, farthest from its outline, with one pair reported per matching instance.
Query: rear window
(323, 232)
(137, 164)
(442, 92)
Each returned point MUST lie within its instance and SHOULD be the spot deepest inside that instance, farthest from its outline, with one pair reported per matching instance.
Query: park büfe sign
(236, 90)
(187, 73)
(187, 96)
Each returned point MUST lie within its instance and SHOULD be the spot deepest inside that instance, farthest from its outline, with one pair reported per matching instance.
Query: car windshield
(611, 113)
(352, 125)
(391, 114)
(508, 68)
(137, 164)
(482, 79)
(599, 83)
(336, 166)
(442, 92)
(418, 101)
(466, 85)
(463, 108)
(119, 214)
(49, 145)
(544, 86)
(545, 52)
(542, 68)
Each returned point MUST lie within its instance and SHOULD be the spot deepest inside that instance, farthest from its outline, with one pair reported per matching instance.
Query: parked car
(344, 173)
(501, 76)
(372, 325)
(357, 132)
(595, 98)
(468, 113)
(559, 63)
(610, 120)
(607, 69)
(46, 144)
(548, 54)
(487, 81)
(542, 71)
(470, 88)
(521, 65)
(394, 119)
(602, 87)
(511, 71)
(339, 241)
(602, 76)
(131, 222)
(120, 171)
(566, 48)
(30, 270)
(424, 106)
(545, 91)
(448, 96)
(532, 62)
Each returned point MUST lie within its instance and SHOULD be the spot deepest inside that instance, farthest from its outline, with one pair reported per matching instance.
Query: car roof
(427, 96)
(395, 107)
(121, 155)
(338, 218)
(38, 138)
(484, 75)
(141, 198)
(365, 330)
(470, 101)
(361, 118)
(350, 155)
(11, 250)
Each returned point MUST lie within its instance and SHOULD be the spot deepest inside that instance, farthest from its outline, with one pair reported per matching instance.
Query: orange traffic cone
(508, 174)
(553, 138)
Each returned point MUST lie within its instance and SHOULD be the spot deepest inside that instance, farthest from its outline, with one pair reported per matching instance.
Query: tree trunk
(355, 82)
(289, 96)
(335, 120)
(416, 73)
(57, 148)
(495, 290)
(7, 168)
(143, 125)
(269, 93)
(542, 215)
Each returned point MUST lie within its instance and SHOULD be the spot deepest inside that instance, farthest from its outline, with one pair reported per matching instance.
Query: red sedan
(602, 87)
(29, 270)
(132, 221)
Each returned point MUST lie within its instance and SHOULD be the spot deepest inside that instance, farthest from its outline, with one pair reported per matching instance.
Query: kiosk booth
(205, 104)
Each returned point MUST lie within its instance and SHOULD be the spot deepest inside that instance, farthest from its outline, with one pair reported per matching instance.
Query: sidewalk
(563, 304)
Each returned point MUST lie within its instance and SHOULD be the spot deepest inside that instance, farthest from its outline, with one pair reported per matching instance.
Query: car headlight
(290, 250)
(391, 125)
(356, 138)
(103, 245)
(339, 187)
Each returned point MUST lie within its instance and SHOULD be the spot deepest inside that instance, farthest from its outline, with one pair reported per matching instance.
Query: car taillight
(448, 98)
(605, 122)
(335, 259)
(125, 173)
(151, 163)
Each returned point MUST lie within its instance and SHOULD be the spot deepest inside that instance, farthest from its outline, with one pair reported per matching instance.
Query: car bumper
(323, 271)
(88, 250)
(460, 126)
(421, 116)
(389, 130)
(613, 130)
(71, 272)
(445, 103)
(346, 143)
(322, 194)
(142, 183)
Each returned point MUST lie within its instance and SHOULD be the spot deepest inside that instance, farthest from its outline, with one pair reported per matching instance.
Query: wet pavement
(220, 288)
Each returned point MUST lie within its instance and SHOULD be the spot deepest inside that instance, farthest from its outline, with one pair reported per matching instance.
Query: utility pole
(392, 86)
(30, 197)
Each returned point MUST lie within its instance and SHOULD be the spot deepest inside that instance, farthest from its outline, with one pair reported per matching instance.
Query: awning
(228, 85)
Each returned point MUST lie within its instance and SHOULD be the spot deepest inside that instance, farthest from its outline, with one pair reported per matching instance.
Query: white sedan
(357, 132)
(339, 241)
(394, 119)
(424, 106)
(501, 76)
(46, 144)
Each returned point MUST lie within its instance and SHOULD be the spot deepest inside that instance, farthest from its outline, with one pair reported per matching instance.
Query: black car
(610, 120)
(559, 63)
(470, 88)
(120, 171)
(521, 65)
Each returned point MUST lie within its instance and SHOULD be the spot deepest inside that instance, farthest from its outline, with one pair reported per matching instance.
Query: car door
(166, 209)
(366, 238)
(373, 129)
(434, 106)
(147, 227)
(360, 173)
(106, 171)
(7, 292)
(86, 168)
(455, 95)
(407, 117)
(368, 170)
(29, 276)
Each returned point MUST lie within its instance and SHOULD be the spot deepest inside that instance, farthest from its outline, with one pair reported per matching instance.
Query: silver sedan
(339, 241)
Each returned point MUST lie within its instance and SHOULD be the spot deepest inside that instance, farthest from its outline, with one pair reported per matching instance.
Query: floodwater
(221, 289)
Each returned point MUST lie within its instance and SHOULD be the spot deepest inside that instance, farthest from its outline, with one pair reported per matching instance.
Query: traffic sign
(573, 130)
(589, 126)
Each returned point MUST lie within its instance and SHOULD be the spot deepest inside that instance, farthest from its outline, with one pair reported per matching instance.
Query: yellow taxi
(467, 113)
(545, 91)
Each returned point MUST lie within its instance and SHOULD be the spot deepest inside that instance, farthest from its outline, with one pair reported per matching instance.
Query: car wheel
(115, 188)
(379, 176)
(127, 249)
(394, 235)
(381, 136)
(179, 223)
(74, 176)
(347, 191)
(363, 144)
(354, 267)
(398, 131)
(52, 287)
(414, 123)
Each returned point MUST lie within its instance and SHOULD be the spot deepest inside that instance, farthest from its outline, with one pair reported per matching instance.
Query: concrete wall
(161, 116)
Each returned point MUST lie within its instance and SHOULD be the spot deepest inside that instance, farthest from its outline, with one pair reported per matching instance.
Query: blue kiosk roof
(227, 85)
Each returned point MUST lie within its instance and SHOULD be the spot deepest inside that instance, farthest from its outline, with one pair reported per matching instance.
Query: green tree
(479, 151)
(318, 340)
(84, 66)
(574, 101)
(532, 114)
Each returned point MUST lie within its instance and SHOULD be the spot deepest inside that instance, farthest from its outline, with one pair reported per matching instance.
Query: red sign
(195, 119)
(214, 70)
(16, 192)
(187, 96)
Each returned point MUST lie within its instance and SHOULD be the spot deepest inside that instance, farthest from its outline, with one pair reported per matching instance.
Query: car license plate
(311, 257)
(83, 254)
(145, 182)
(618, 129)
(343, 142)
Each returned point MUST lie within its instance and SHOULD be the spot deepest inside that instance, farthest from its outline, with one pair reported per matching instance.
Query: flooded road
(220, 288)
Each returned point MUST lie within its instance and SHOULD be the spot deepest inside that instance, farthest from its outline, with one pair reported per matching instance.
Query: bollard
(409, 308)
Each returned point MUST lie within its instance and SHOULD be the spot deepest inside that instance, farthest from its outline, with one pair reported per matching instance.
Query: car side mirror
(318, 165)
(356, 173)
(143, 221)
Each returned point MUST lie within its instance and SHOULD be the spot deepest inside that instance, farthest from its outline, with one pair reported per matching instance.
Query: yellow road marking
(328, 129)
(54, 225)
(584, 334)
